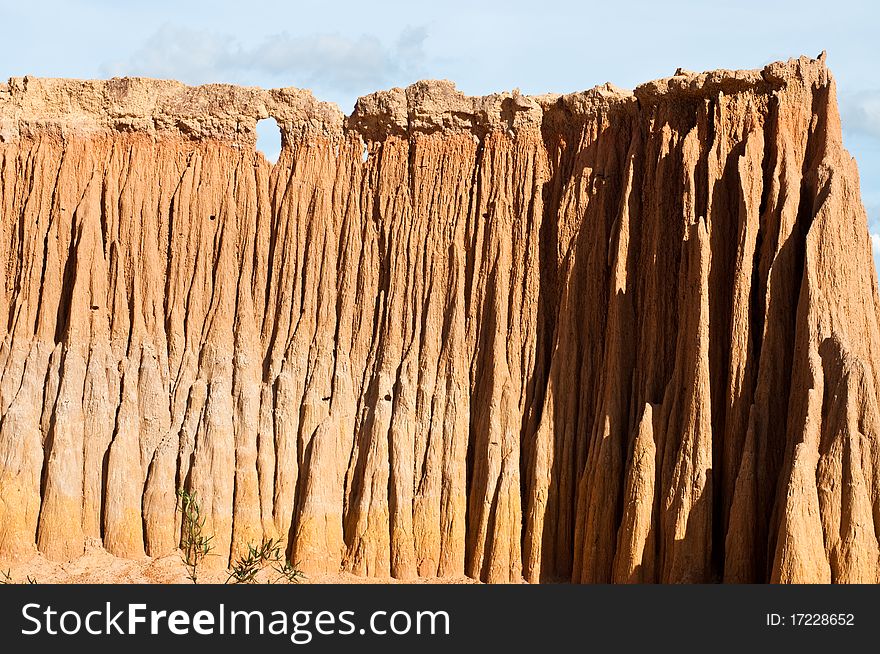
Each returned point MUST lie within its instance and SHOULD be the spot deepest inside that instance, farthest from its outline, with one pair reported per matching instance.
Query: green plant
(288, 572)
(6, 578)
(244, 570)
(194, 544)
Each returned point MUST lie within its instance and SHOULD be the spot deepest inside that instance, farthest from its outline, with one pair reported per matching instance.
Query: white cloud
(340, 64)
(861, 112)
(874, 227)
(875, 242)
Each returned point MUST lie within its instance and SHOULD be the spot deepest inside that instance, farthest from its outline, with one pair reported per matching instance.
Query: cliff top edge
(135, 104)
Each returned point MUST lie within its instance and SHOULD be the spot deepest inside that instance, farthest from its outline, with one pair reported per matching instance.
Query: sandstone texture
(609, 336)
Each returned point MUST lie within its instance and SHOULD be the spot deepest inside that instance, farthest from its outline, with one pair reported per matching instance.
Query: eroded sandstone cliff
(606, 336)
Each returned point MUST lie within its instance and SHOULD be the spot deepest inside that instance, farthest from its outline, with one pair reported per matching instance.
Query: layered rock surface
(608, 336)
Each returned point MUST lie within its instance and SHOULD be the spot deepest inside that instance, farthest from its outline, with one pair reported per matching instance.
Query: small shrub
(288, 572)
(244, 570)
(194, 544)
(6, 578)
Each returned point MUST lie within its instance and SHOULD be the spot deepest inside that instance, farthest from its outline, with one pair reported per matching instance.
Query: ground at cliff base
(97, 566)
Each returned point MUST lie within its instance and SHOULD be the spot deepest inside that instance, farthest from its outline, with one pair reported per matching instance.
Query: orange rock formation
(608, 336)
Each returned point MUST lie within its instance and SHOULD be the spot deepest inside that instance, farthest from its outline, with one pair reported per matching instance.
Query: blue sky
(344, 49)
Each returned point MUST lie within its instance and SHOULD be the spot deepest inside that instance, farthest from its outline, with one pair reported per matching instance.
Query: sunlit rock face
(609, 336)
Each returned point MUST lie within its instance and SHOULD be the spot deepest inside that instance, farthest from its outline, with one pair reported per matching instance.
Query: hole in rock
(213, 217)
(269, 139)
(387, 397)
